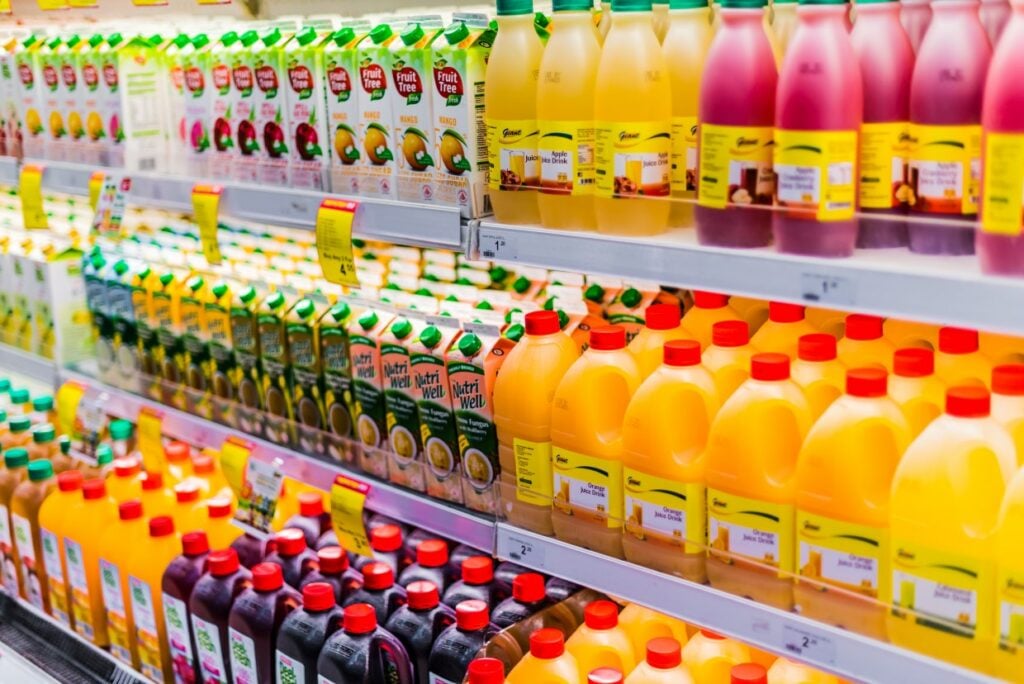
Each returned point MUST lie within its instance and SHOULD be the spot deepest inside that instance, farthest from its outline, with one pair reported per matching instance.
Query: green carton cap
(272, 36)
(200, 41)
(306, 36)
(180, 40)
(515, 332)
(42, 403)
(341, 311)
(249, 37)
(305, 308)
(43, 434)
(248, 294)
(456, 33)
(120, 429)
(412, 34)
(219, 290)
(343, 36)
(368, 320)
(631, 5)
(401, 328)
(274, 301)
(229, 38)
(114, 39)
(509, 8)
(631, 297)
(380, 33)
(16, 458)
(470, 344)
(431, 336)
(40, 470)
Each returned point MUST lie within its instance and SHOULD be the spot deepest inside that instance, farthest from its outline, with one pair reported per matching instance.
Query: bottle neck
(514, 22)
(740, 16)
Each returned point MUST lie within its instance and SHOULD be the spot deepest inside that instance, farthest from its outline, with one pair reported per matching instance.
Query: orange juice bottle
(546, 662)
(219, 529)
(913, 385)
(944, 508)
(145, 569)
(959, 360)
(156, 499)
(728, 356)
(842, 532)
(178, 462)
(785, 671)
(212, 482)
(26, 501)
(710, 657)
(1008, 401)
(586, 440)
(600, 641)
(708, 308)
(753, 311)
(125, 483)
(663, 665)
(751, 477)
(1001, 349)
(53, 518)
(817, 371)
(828, 321)
(14, 473)
(117, 543)
(911, 333)
(785, 326)
(663, 464)
(863, 344)
(643, 624)
(661, 324)
(82, 533)
(19, 433)
(1009, 656)
(523, 392)
(189, 513)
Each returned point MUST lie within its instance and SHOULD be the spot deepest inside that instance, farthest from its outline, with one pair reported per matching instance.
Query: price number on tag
(521, 550)
(809, 645)
(493, 246)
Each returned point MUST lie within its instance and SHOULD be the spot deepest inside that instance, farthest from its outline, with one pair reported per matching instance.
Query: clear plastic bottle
(19, 432)
(45, 446)
(13, 473)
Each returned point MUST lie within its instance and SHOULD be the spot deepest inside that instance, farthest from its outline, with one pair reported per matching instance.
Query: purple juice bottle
(250, 549)
(460, 643)
(295, 558)
(415, 538)
(456, 558)
(386, 542)
(419, 623)
(334, 569)
(477, 583)
(177, 584)
(431, 565)
(303, 633)
(328, 538)
(312, 519)
(254, 622)
(529, 597)
(364, 653)
(379, 590)
(210, 606)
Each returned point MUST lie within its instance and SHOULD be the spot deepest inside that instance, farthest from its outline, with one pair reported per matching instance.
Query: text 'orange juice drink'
(842, 532)
(818, 372)
(661, 324)
(944, 508)
(523, 394)
(786, 324)
(587, 446)
(728, 356)
(914, 387)
(751, 477)
(663, 464)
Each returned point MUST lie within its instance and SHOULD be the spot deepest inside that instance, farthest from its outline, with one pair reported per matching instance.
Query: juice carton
(89, 71)
(377, 168)
(333, 341)
(220, 357)
(121, 309)
(412, 108)
(307, 115)
(112, 153)
(340, 64)
(49, 58)
(224, 152)
(403, 419)
(307, 392)
(367, 386)
(242, 97)
(271, 107)
(245, 340)
(29, 101)
(71, 98)
(173, 79)
(276, 376)
(627, 310)
(137, 123)
(194, 297)
(144, 282)
(10, 128)
(169, 352)
(198, 94)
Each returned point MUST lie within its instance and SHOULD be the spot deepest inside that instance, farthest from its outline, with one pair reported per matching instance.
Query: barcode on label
(491, 246)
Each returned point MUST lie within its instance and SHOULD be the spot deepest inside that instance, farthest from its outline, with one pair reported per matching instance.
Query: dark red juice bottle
(386, 542)
(379, 590)
(303, 633)
(364, 653)
(460, 643)
(431, 565)
(486, 671)
(210, 605)
(328, 538)
(177, 584)
(418, 623)
(250, 549)
(415, 538)
(456, 557)
(507, 571)
(312, 519)
(477, 583)
(529, 597)
(254, 622)
(291, 553)
(334, 569)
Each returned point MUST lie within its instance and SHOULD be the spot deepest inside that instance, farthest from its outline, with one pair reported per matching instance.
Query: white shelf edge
(28, 365)
(413, 509)
(9, 171)
(838, 651)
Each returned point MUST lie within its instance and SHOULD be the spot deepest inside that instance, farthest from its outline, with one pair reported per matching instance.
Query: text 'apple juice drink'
(377, 165)
(403, 419)
(307, 114)
(341, 65)
(412, 103)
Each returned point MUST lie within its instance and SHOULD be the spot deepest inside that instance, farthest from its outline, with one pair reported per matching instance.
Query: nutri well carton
(437, 415)
(403, 420)
(368, 388)
(223, 153)
(307, 116)
(243, 97)
(245, 342)
(271, 107)
(377, 165)
(341, 68)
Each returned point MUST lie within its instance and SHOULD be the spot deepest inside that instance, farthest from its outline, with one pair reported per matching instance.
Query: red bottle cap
(203, 465)
(730, 333)
(968, 402)
(94, 489)
(311, 504)
(748, 673)
(432, 553)
(662, 317)
(360, 618)
(913, 362)
(863, 327)
(682, 353)
(290, 542)
(542, 323)
(218, 508)
(816, 347)
(866, 382)
(70, 481)
(472, 615)
(317, 596)
(186, 492)
(223, 563)
(608, 338)
(267, 577)
(782, 312)
(386, 538)
(130, 510)
(161, 526)
(709, 300)
(194, 544)
(127, 467)
(477, 570)
(377, 576)
(769, 366)
(547, 643)
(664, 653)
(486, 671)
(605, 675)
(422, 595)
(957, 340)
(708, 634)
(1007, 380)
(152, 480)
(333, 560)
(177, 451)
(529, 587)
(601, 615)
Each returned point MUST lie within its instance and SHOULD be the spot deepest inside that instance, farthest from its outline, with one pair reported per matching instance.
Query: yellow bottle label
(533, 471)
(666, 512)
(884, 157)
(850, 556)
(633, 158)
(587, 487)
(1011, 609)
(940, 590)
(816, 173)
(566, 151)
(735, 166)
(759, 531)
(512, 154)
(684, 153)
(945, 168)
(1002, 198)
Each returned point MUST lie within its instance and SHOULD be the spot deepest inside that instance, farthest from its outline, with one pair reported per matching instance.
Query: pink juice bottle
(994, 15)
(737, 118)
(916, 16)
(886, 60)
(945, 116)
(818, 113)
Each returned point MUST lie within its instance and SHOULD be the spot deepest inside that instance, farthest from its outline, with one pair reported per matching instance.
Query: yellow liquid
(710, 659)
(643, 624)
(145, 570)
(89, 521)
(54, 515)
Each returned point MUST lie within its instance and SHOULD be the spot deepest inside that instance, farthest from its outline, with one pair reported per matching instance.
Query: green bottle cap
(274, 301)
(166, 279)
(401, 328)
(39, 471)
(305, 308)
(515, 332)
(743, 4)
(16, 458)
(114, 39)
(484, 305)
(456, 33)
(219, 290)
(200, 41)
(120, 429)
(65, 444)
(272, 36)
(572, 6)
(43, 434)
(343, 37)
(380, 33)
(180, 40)
(368, 320)
(498, 274)
(104, 454)
(306, 36)
(195, 283)
(470, 344)
(3, 416)
(688, 4)
(631, 5)
(521, 284)
(249, 37)
(431, 336)
(42, 403)
(412, 34)
(229, 39)
(247, 295)
(120, 267)
(5, 385)
(19, 396)
(508, 314)
(631, 297)
(509, 8)
(341, 311)
(594, 293)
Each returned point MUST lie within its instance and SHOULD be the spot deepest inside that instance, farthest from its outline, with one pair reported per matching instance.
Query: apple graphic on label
(247, 138)
(273, 140)
(308, 142)
(222, 135)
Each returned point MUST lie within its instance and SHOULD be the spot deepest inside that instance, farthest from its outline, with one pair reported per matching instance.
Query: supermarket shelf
(8, 171)
(838, 651)
(409, 507)
(937, 289)
(28, 365)
(392, 221)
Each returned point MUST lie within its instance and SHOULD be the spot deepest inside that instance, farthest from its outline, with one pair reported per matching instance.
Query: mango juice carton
(71, 99)
(90, 72)
(307, 393)
(49, 61)
(10, 130)
(341, 66)
(369, 408)
(224, 153)
(220, 355)
(336, 366)
(28, 87)
(432, 392)
(403, 419)
(245, 343)
(242, 103)
(198, 94)
(270, 103)
(276, 377)
(307, 115)
(195, 339)
(460, 63)
(377, 164)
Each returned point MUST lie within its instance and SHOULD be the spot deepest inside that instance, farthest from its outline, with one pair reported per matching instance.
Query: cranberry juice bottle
(251, 550)
(386, 542)
(292, 554)
(254, 622)
(303, 633)
(477, 583)
(177, 584)
(457, 645)
(312, 519)
(431, 565)
(334, 569)
(363, 653)
(379, 590)
(419, 623)
(210, 605)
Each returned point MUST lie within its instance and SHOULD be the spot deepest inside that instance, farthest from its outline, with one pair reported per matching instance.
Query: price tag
(150, 3)
(85, 4)
(214, 2)
(110, 204)
(334, 241)
(493, 246)
(5, 6)
(825, 289)
(258, 501)
(68, 397)
(30, 188)
(95, 188)
(151, 443)
(205, 207)
(52, 4)
(234, 457)
(348, 498)
(808, 645)
(519, 549)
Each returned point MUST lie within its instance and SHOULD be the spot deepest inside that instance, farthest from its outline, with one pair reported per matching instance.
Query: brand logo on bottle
(301, 79)
(110, 75)
(50, 76)
(67, 73)
(25, 74)
(340, 83)
(373, 80)
(221, 78)
(266, 79)
(194, 80)
(448, 83)
(408, 83)
(242, 76)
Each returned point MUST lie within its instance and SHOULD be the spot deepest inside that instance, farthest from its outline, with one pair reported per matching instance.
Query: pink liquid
(915, 15)
(820, 89)
(994, 15)
(886, 60)
(946, 90)
(737, 89)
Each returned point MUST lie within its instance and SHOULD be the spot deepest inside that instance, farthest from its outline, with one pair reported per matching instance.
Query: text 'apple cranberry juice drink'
(271, 107)
(223, 117)
(198, 94)
(403, 420)
(737, 115)
(370, 413)
(377, 165)
(307, 114)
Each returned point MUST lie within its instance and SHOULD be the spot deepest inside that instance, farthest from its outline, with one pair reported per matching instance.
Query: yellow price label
(234, 458)
(348, 498)
(151, 442)
(68, 397)
(334, 241)
(150, 3)
(52, 4)
(95, 188)
(214, 2)
(5, 6)
(205, 207)
(30, 188)
(85, 3)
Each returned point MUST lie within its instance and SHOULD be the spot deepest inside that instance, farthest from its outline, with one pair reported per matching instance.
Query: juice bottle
(1009, 656)
(292, 554)
(708, 308)
(312, 519)
(386, 542)
(842, 532)
(455, 648)
(43, 411)
(994, 15)
(529, 598)
(748, 673)
(121, 439)
(751, 467)
(81, 552)
(863, 345)
(430, 566)
(785, 671)
(21, 402)
(605, 675)
(250, 549)
(19, 432)
(565, 113)
(547, 660)
(45, 446)
(210, 608)
(945, 127)
(126, 482)
(959, 360)
(334, 569)
(737, 101)
(911, 333)
(915, 15)
(727, 358)
(783, 25)
(177, 583)
(1008, 401)
(145, 570)
(510, 103)
(26, 500)
(663, 665)
(663, 465)
(361, 651)
(600, 641)
(710, 656)
(586, 436)
(156, 499)
(189, 514)
(914, 386)
(817, 371)
(14, 473)
(661, 324)
(643, 624)
(684, 43)
(254, 622)
(116, 544)
(633, 114)
(781, 333)
(178, 460)
(944, 510)
(53, 518)
(212, 482)
(303, 633)
(477, 583)
(219, 529)
(418, 624)
(886, 60)
(379, 590)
